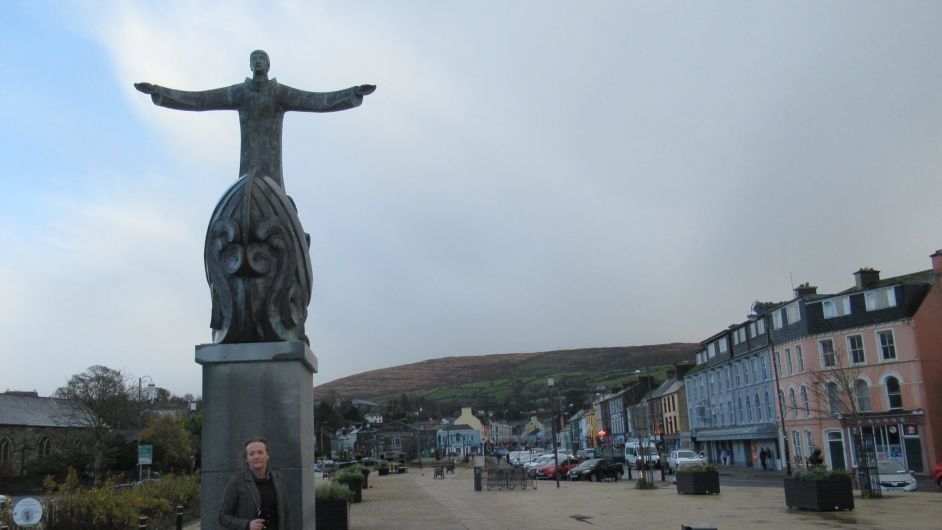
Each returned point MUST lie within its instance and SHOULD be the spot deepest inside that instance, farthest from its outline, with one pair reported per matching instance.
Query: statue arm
(215, 99)
(294, 99)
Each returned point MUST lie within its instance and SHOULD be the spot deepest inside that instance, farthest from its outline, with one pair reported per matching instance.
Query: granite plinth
(258, 389)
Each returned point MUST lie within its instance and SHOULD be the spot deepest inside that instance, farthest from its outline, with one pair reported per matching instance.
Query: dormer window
(880, 298)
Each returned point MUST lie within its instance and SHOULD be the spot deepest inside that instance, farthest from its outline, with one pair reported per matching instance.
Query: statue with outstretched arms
(257, 255)
(262, 104)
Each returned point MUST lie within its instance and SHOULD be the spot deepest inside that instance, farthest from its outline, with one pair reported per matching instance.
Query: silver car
(892, 476)
(683, 457)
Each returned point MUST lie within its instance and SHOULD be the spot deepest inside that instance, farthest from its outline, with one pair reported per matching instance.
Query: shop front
(893, 436)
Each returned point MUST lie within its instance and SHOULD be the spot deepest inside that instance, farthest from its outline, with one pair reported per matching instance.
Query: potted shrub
(383, 467)
(364, 470)
(700, 479)
(353, 479)
(818, 488)
(332, 506)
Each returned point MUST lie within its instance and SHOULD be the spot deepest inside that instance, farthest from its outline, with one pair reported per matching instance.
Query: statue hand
(365, 90)
(146, 88)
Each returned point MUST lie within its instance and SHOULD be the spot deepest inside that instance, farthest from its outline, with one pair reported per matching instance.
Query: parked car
(537, 462)
(550, 471)
(937, 474)
(683, 457)
(633, 456)
(596, 469)
(892, 476)
(318, 472)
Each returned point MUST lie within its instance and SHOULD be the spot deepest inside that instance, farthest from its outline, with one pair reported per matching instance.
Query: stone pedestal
(258, 389)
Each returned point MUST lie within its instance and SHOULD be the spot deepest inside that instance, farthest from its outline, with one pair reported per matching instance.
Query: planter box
(331, 515)
(825, 495)
(698, 482)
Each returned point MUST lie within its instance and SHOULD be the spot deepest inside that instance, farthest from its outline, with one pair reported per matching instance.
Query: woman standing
(254, 498)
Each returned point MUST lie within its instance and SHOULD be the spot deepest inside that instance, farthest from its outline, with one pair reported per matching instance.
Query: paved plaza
(416, 500)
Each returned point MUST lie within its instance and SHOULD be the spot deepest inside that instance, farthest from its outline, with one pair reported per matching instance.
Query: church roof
(32, 411)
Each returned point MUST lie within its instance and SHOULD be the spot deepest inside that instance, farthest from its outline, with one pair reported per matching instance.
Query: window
(792, 312)
(738, 373)
(760, 327)
(793, 403)
(880, 298)
(788, 361)
(755, 369)
(710, 383)
(804, 401)
(758, 408)
(781, 401)
(887, 344)
(739, 414)
(748, 410)
(778, 363)
(834, 398)
(752, 330)
(729, 410)
(45, 447)
(745, 373)
(768, 406)
(796, 442)
(855, 346)
(722, 343)
(836, 307)
(777, 319)
(862, 393)
(893, 393)
(826, 347)
(810, 442)
(6, 451)
(711, 350)
(800, 357)
(765, 368)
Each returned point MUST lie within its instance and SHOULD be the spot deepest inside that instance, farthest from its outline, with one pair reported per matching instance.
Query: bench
(439, 472)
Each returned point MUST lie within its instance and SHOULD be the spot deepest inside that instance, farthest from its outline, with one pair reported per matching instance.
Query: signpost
(27, 513)
(145, 456)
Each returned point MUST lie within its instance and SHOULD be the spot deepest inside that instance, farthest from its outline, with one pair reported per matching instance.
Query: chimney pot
(805, 289)
(937, 262)
(866, 278)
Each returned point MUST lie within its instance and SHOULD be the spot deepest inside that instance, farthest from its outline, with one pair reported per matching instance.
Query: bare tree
(840, 392)
(102, 404)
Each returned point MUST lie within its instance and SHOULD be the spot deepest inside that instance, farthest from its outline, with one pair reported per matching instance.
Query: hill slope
(450, 377)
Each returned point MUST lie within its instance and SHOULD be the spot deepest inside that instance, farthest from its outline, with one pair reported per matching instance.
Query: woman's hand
(257, 524)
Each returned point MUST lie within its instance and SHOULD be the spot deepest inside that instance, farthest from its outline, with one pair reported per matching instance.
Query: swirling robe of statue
(257, 256)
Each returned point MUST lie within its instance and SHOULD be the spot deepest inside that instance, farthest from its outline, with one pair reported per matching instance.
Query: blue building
(731, 401)
(460, 440)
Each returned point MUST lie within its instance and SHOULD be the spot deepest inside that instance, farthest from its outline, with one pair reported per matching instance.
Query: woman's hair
(251, 440)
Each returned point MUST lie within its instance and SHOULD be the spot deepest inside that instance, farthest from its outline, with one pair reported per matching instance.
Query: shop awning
(763, 431)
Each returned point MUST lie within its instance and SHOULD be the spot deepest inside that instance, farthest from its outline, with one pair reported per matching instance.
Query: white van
(633, 455)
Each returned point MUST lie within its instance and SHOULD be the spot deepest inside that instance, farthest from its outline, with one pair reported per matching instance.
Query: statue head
(259, 62)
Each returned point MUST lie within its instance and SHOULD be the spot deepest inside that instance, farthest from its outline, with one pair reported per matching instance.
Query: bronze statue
(257, 255)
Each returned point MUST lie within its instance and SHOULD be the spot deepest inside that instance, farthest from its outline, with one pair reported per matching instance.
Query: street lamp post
(550, 384)
(140, 413)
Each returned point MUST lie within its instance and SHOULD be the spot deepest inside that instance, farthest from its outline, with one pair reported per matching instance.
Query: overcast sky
(529, 175)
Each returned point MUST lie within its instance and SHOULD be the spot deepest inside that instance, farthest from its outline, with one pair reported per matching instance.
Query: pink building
(859, 361)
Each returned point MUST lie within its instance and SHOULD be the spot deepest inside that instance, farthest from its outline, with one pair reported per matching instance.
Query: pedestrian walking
(725, 457)
(763, 456)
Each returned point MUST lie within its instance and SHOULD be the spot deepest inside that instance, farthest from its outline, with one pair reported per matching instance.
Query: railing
(505, 477)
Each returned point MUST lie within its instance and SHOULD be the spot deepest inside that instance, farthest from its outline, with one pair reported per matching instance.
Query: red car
(937, 474)
(549, 471)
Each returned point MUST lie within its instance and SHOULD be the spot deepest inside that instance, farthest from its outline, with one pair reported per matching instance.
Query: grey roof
(38, 412)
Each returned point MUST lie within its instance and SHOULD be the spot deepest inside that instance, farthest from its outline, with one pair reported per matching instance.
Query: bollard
(179, 517)
(142, 522)
(662, 473)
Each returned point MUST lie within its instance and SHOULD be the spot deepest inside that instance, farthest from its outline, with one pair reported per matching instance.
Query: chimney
(937, 262)
(805, 289)
(867, 278)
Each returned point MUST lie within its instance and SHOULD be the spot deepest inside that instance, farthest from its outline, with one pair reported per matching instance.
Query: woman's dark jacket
(241, 501)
